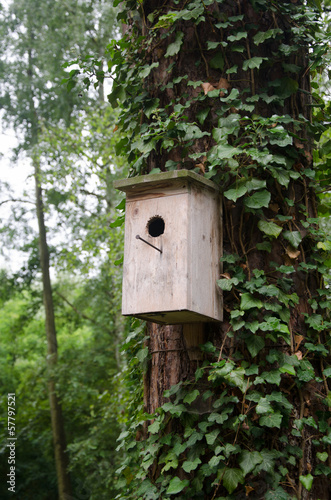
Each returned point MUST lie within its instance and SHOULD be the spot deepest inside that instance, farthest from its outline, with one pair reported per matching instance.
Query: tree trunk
(292, 201)
(57, 421)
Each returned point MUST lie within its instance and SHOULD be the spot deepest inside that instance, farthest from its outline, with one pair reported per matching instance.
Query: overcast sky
(16, 174)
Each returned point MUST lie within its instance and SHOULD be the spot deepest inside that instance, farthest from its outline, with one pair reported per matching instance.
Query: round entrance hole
(156, 226)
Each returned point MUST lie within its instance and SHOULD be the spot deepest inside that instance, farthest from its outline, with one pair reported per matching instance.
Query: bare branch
(14, 200)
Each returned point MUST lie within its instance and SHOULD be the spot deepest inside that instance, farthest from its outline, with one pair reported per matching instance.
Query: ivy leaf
(235, 19)
(237, 378)
(230, 449)
(121, 205)
(248, 460)
(277, 494)
(117, 94)
(193, 132)
(271, 420)
(248, 302)
(70, 85)
(174, 409)
(212, 436)
(307, 481)
(235, 193)
(252, 370)
(142, 354)
(145, 71)
(293, 237)
(195, 13)
(272, 377)
(177, 485)
(151, 105)
(196, 436)
(238, 36)
(253, 326)
(254, 184)
(258, 200)
(222, 370)
(144, 488)
(174, 47)
(287, 368)
(171, 461)
(215, 460)
(305, 371)
(227, 283)
(263, 406)
(269, 228)
(261, 36)
(226, 151)
(154, 427)
(219, 418)
(173, 390)
(326, 148)
(327, 400)
(264, 247)
(236, 325)
(231, 70)
(147, 462)
(231, 479)
(281, 140)
(232, 96)
(254, 62)
(208, 347)
(167, 20)
(155, 171)
(268, 460)
(119, 261)
(202, 115)
(281, 175)
(217, 62)
(323, 456)
(324, 245)
(291, 68)
(254, 345)
(327, 439)
(285, 87)
(212, 45)
(189, 398)
(189, 465)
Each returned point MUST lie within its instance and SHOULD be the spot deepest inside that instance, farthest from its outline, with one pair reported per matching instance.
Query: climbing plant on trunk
(224, 88)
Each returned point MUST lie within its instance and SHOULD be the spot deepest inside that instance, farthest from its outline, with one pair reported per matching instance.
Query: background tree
(39, 39)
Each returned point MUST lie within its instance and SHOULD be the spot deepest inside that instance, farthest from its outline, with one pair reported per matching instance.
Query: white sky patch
(18, 176)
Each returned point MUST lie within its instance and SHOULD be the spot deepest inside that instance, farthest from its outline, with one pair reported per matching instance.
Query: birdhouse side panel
(205, 253)
(156, 279)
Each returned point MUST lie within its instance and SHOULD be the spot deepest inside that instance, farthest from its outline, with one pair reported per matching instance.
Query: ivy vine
(241, 426)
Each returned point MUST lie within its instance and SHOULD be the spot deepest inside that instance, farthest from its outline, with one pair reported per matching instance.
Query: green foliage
(235, 425)
(87, 382)
(237, 422)
(70, 135)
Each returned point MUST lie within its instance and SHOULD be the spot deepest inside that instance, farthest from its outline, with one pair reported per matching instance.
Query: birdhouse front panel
(172, 248)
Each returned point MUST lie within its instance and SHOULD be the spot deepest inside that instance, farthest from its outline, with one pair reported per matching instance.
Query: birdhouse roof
(169, 179)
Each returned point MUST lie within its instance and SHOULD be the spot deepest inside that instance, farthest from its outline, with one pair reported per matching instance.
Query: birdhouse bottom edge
(176, 317)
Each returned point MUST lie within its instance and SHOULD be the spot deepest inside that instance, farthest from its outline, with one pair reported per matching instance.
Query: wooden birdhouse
(172, 248)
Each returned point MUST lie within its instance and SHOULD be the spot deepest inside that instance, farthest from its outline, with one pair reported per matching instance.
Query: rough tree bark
(170, 360)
